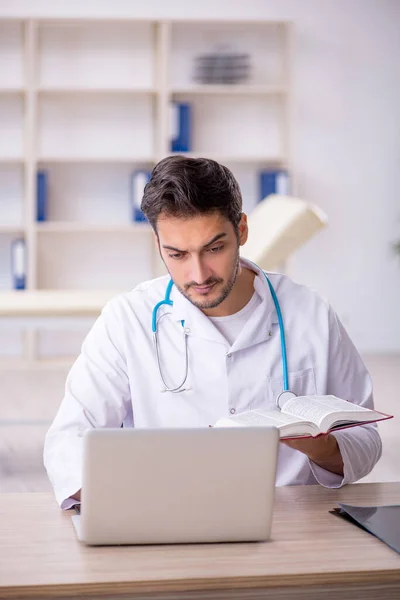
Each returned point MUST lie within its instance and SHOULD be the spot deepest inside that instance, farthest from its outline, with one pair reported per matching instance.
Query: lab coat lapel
(262, 324)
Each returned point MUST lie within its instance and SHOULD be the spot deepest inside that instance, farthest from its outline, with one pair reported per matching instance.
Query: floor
(29, 400)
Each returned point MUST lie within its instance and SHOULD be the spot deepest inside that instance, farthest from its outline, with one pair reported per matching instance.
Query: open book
(307, 416)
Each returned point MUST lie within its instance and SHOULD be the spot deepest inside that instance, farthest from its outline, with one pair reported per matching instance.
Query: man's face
(201, 255)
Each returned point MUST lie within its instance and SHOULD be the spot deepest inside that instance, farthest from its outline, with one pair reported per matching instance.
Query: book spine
(41, 196)
(18, 264)
(139, 179)
(180, 127)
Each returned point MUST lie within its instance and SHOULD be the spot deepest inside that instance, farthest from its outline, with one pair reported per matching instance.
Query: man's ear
(243, 230)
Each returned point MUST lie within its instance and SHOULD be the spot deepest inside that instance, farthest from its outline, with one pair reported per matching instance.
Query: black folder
(382, 521)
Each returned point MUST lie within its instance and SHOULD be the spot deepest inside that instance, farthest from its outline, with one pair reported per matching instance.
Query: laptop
(170, 486)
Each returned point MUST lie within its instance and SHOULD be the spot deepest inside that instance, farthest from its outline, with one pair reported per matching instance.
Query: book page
(325, 410)
(287, 424)
(267, 417)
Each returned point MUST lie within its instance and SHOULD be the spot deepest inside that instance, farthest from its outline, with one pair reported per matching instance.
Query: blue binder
(139, 179)
(273, 182)
(180, 127)
(18, 263)
(41, 196)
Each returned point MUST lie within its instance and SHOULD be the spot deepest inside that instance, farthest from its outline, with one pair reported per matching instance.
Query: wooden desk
(312, 555)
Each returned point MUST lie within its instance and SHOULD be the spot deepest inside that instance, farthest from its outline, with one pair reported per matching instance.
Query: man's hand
(323, 451)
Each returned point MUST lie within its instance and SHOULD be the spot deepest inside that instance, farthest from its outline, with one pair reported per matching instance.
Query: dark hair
(185, 187)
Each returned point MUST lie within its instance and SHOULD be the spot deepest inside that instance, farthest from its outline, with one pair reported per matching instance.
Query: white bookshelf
(12, 126)
(54, 303)
(88, 102)
(75, 227)
(11, 56)
(231, 90)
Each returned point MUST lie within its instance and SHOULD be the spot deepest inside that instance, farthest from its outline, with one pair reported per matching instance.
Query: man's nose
(199, 271)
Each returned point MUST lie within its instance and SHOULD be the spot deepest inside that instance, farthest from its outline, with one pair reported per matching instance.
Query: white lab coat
(115, 378)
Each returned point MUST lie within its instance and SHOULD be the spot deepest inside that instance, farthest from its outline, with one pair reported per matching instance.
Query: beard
(225, 291)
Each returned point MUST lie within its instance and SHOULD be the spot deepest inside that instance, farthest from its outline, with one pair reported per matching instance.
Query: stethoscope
(281, 398)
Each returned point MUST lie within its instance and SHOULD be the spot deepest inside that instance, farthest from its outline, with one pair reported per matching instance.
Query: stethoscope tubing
(167, 301)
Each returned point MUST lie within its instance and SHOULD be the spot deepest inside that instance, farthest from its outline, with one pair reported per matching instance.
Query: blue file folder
(41, 196)
(139, 179)
(273, 182)
(180, 127)
(18, 263)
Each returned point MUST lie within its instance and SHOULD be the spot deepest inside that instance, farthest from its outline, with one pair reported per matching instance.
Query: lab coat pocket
(301, 383)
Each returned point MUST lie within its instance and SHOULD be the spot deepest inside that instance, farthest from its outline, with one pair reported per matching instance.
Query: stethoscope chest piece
(283, 397)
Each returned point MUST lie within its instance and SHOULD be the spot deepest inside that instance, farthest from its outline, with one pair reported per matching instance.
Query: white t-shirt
(231, 325)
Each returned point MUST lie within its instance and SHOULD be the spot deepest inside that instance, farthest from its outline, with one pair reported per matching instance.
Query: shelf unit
(54, 303)
(88, 101)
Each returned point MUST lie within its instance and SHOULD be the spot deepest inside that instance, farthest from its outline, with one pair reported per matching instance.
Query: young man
(218, 350)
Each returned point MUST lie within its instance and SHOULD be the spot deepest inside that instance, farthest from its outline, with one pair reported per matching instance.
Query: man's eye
(176, 255)
(215, 249)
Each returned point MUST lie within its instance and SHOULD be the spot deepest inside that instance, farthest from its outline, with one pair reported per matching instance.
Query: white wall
(346, 139)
